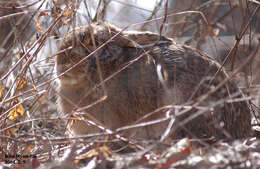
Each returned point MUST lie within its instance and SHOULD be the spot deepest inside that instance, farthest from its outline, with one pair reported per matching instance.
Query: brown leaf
(67, 13)
(1, 91)
(21, 82)
(16, 112)
(37, 23)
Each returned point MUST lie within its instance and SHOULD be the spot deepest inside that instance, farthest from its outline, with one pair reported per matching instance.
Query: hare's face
(72, 66)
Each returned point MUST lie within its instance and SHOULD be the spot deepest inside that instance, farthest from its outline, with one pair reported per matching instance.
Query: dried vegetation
(32, 132)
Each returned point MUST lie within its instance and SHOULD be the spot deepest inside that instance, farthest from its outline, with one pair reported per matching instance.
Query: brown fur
(136, 90)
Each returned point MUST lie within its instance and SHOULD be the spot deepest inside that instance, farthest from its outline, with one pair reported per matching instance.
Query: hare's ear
(132, 38)
(144, 39)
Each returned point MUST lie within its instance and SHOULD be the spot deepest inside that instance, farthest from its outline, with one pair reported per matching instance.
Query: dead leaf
(67, 13)
(12, 131)
(1, 91)
(37, 23)
(20, 54)
(21, 82)
(28, 149)
(16, 112)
